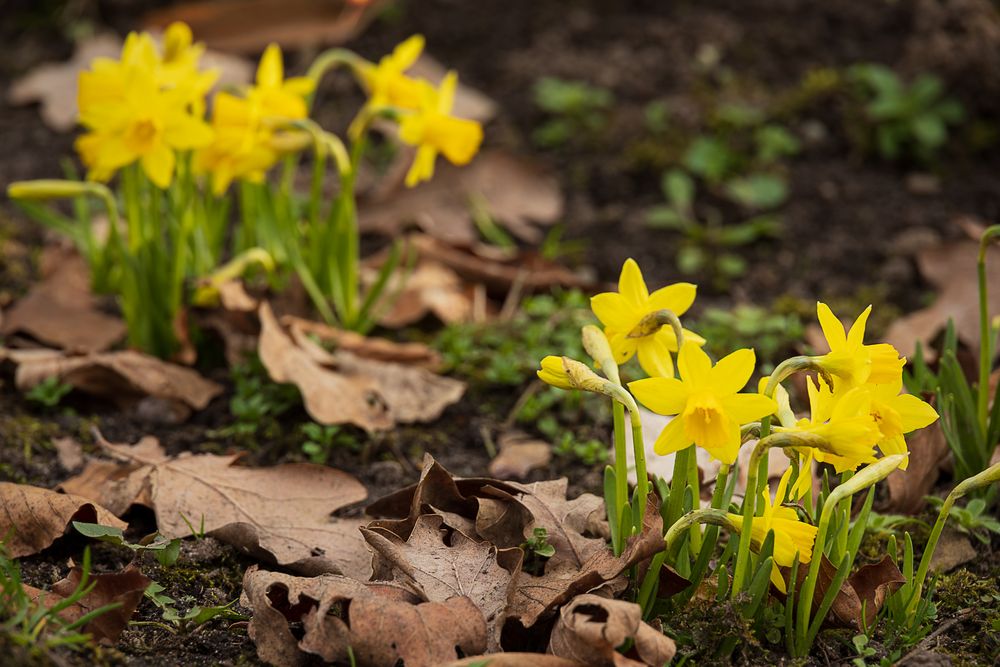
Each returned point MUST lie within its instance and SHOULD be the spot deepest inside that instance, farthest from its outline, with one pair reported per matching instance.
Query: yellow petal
(677, 298)
(914, 412)
(614, 311)
(422, 168)
(159, 165)
(271, 70)
(747, 408)
(833, 329)
(694, 365)
(631, 285)
(554, 373)
(733, 371)
(662, 395)
(446, 92)
(623, 347)
(886, 364)
(672, 438)
(186, 132)
(856, 336)
(407, 52)
(655, 357)
(459, 139)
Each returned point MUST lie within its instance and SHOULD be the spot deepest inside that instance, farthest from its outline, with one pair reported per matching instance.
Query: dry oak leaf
(591, 627)
(536, 597)
(511, 659)
(379, 624)
(54, 84)
(951, 269)
(69, 453)
(513, 190)
(438, 564)
(908, 488)
(125, 376)
(341, 388)
(280, 512)
(64, 297)
(432, 288)
(32, 518)
(860, 597)
(125, 588)
(519, 455)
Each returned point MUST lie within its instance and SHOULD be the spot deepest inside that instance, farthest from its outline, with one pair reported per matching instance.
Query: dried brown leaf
(125, 376)
(431, 288)
(341, 388)
(280, 512)
(591, 627)
(908, 488)
(124, 588)
(860, 597)
(379, 624)
(248, 26)
(69, 452)
(60, 298)
(376, 349)
(951, 269)
(514, 191)
(438, 564)
(952, 550)
(519, 455)
(32, 518)
(511, 659)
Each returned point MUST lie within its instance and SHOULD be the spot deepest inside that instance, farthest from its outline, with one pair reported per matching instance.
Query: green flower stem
(621, 465)
(678, 482)
(329, 60)
(695, 486)
(868, 476)
(782, 439)
(708, 515)
(989, 476)
(625, 399)
(985, 335)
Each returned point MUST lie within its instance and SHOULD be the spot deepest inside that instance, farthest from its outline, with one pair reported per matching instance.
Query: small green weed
(49, 392)
(576, 109)
(165, 550)
(176, 621)
(973, 519)
(321, 440)
(771, 333)
(257, 403)
(905, 120)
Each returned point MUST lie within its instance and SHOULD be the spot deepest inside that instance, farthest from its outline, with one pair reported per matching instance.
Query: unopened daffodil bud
(51, 188)
(597, 346)
(567, 373)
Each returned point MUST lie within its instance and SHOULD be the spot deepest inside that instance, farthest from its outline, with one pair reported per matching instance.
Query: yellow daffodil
(432, 129)
(566, 373)
(622, 314)
(791, 536)
(706, 401)
(241, 148)
(179, 69)
(849, 359)
(896, 414)
(279, 98)
(844, 422)
(387, 83)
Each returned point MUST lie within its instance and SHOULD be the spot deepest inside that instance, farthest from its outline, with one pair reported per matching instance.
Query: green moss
(976, 598)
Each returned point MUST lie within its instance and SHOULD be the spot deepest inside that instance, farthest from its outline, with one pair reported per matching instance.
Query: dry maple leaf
(64, 296)
(342, 388)
(378, 624)
(124, 588)
(438, 566)
(280, 512)
(591, 627)
(951, 269)
(32, 518)
(125, 376)
(513, 190)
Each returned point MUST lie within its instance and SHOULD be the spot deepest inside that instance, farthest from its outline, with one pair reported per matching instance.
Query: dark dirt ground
(851, 224)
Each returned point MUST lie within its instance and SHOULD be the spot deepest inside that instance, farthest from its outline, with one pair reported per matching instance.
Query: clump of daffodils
(180, 159)
(854, 421)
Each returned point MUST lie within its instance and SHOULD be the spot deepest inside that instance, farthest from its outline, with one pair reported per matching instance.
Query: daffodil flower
(279, 98)
(179, 67)
(622, 313)
(387, 83)
(706, 401)
(432, 129)
(849, 359)
(896, 414)
(241, 148)
(791, 536)
(845, 423)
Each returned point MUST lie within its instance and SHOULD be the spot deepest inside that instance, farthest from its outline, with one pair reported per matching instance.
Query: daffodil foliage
(851, 423)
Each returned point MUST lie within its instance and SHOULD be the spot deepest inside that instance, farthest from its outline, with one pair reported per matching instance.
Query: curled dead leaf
(861, 596)
(908, 488)
(376, 349)
(378, 624)
(281, 513)
(124, 588)
(342, 388)
(125, 376)
(591, 627)
(32, 518)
